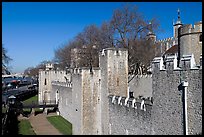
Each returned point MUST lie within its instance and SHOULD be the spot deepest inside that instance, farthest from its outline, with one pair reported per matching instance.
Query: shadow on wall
(180, 87)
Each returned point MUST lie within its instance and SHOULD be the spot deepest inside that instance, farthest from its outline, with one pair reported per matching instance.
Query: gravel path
(41, 125)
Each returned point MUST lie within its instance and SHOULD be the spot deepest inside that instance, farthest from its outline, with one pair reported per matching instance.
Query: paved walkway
(42, 126)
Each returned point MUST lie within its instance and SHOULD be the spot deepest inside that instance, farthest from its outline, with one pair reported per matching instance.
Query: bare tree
(127, 29)
(5, 60)
(130, 31)
(63, 55)
(34, 71)
(106, 36)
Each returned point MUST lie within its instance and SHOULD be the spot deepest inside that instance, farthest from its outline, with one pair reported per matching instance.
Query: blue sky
(31, 31)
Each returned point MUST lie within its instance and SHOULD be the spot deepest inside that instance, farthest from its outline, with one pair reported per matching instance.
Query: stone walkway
(41, 125)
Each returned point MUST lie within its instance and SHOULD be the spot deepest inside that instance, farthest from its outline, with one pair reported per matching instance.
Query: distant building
(186, 40)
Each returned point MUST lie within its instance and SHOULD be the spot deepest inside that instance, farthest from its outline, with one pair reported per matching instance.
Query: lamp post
(11, 100)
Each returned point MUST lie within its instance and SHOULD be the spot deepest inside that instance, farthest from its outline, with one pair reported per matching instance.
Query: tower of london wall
(96, 101)
(165, 115)
(114, 80)
(45, 83)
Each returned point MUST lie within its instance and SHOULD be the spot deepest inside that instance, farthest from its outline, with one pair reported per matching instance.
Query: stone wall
(168, 98)
(91, 115)
(77, 105)
(168, 105)
(117, 71)
(45, 85)
(128, 120)
(96, 100)
(166, 115)
(113, 64)
(194, 90)
(65, 101)
(141, 85)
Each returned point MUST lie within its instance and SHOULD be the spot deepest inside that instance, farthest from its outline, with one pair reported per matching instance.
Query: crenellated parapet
(144, 76)
(189, 28)
(165, 40)
(187, 62)
(115, 51)
(77, 71)
(134, 103)
(165, 44)
(63, 84)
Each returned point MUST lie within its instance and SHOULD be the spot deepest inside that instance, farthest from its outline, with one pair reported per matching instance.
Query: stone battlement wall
(187, 62)
(165, 40)
(168, 94)
(64, 84)
(129, 119)
(189, 28)
(96, 100)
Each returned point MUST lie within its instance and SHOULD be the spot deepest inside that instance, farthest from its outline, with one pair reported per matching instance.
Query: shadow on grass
(38, 111)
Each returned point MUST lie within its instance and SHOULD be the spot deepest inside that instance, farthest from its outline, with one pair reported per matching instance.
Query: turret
(177, 25)
(151, 36)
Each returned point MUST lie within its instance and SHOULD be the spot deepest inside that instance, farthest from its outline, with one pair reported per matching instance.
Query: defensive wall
(164, 114)
(97, 101)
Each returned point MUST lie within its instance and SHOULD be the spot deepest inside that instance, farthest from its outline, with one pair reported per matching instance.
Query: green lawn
(61, 124)
(25, 128)
(29, 101)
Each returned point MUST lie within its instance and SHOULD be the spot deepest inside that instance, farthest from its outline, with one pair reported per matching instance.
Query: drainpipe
(185, 85)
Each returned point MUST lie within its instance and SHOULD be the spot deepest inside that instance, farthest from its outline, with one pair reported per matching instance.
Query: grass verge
(25, 128)
(61, 124)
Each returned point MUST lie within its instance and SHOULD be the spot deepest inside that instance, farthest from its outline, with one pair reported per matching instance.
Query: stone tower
(191, 40)
(113, 64)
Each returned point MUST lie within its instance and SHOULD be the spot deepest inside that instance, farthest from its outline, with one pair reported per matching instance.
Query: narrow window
(131, 94)
(117, 81)
(45, 82)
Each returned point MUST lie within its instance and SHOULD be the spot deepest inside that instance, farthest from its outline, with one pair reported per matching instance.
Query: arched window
(200, 39)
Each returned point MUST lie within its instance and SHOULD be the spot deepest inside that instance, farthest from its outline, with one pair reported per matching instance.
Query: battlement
(144, 76)
(189, 28)
(76, 71)
(165, 40)
(135, 103)
(49, 66)
(170, 63)
(117, 51)
(63, 84)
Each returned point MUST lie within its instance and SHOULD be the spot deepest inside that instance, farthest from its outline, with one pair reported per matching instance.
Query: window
(117, 81)
(45, 82)
(200, 39)
(131, 94)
